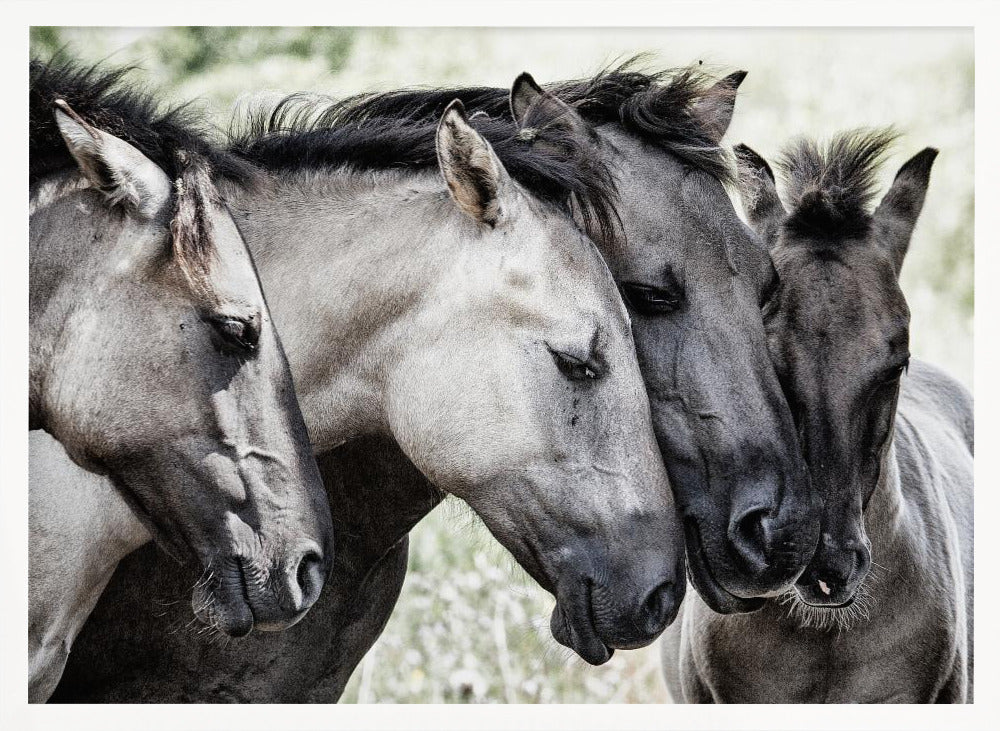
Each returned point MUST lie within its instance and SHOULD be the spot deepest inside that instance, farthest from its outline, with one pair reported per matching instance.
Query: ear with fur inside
(113, 166)
(523, 93)
(715, 108)
(759, 194)
(475, 176)
(896, 216)
(530, 105)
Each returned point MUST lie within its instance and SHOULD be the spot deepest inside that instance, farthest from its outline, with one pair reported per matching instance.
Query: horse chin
(712, 592)
(278, 626)
(811, 596)
(221, 603)
(579, 635)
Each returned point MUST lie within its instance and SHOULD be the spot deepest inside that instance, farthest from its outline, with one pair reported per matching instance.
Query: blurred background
(469, 625)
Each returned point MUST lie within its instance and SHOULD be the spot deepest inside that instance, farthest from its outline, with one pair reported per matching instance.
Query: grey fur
(919, 620)
(716, 425)
(884, 611)
(414, 325)
(126, 373)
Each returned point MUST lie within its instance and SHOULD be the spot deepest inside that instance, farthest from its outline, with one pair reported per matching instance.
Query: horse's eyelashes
(236, 335)
(575, 368)
(649, 300)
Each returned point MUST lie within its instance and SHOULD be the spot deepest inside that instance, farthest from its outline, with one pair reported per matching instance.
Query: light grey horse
(479, 329)
(883, 613)
(154, 362)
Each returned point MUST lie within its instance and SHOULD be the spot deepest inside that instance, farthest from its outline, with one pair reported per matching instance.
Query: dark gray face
(838, 329)
(694, 278)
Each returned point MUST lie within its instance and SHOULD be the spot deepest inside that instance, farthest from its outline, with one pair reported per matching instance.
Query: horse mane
(658, 107)
(104, 97)
(174, 138)
(830, 188)
(313, 132)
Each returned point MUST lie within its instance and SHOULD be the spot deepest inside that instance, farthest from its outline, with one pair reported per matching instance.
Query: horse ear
(715, 108)
(474, 174)
(531, 106)
(759, 194)
(896, 215)
(113, 166)
(524, 92)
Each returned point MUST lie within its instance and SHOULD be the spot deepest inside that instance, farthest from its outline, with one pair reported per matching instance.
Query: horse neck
(887, 516)
(345, 259)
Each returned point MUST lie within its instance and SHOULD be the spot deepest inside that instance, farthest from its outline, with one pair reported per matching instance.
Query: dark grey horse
(883, 613)
(479, 332)
(154, 362)
(694, 277)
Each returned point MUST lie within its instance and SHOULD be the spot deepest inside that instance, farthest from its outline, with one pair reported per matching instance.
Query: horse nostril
(309, 576)
(749, 536)
(659, 608)
(751, 526)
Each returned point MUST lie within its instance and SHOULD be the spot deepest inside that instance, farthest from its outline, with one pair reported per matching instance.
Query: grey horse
(476, 328)
(883, 613)
(154, 362)
(694, 277)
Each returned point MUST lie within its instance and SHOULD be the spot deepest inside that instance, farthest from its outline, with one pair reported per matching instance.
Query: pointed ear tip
(62, 112)
(525, 78)
(747, 155)
(454, 107)
(921, 163)
(737, 77)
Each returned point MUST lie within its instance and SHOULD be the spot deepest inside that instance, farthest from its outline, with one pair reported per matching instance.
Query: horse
(676, 119)
(155, 363)
(479, 331)
(889, 441)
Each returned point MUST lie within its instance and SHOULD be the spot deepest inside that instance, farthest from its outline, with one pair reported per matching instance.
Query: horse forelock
(830, 187)
(196, 200)
(658, 107)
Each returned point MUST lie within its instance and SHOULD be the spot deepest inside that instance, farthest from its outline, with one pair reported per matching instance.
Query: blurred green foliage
(187, 50)
(196, 49)
(469, 625)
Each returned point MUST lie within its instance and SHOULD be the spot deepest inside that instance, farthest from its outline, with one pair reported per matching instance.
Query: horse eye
(649, 300)
(574, 368)
(238, 336)
(891, 376)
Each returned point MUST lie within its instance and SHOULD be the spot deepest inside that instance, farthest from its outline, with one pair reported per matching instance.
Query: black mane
(308, 132)
(830, 189)
(104, 98)
(657, 107)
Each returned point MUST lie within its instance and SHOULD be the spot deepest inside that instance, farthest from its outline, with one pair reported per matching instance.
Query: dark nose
(659, 609)
(309, 576)
(833, 577)
(768, 548)
(842, 570)
(750, 538)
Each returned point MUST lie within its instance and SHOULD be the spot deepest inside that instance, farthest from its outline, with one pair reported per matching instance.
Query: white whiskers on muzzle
(826, 619)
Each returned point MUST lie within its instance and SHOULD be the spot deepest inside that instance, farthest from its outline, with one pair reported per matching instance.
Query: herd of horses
(537, 299)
